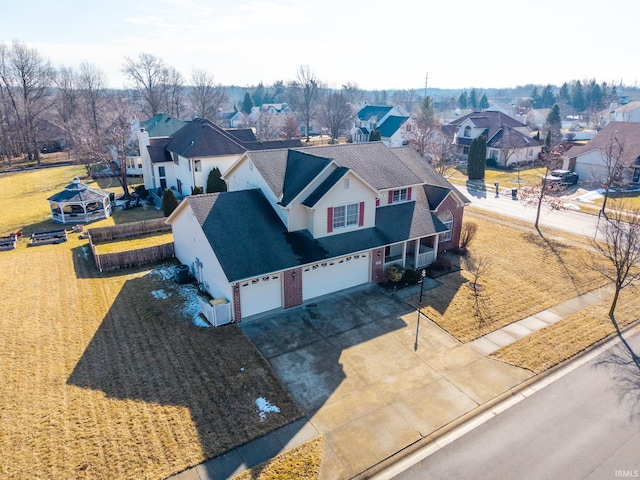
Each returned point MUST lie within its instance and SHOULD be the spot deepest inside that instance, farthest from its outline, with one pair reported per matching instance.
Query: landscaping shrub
(169, 202)
(142, 192)
(394, 273)
(442, 264)
(411, 276)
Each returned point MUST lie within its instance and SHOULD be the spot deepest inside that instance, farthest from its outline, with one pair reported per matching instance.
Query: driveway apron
(372, 375)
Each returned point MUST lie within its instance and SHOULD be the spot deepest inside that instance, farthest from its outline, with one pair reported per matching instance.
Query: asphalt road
(566, 220)
(586, 425)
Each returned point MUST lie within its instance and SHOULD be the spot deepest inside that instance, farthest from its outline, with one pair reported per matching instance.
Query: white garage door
(260, 295)
(331, 276)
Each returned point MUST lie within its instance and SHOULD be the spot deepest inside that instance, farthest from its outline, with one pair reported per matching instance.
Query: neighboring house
(388, 120)
(183, 160)
(299, 223)
(509, 141)
(51, 137)
(627, 113)
(153, 137)
(592, 161)
(275, 108)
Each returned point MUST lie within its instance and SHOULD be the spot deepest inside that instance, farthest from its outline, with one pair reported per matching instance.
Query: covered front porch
(417, 253)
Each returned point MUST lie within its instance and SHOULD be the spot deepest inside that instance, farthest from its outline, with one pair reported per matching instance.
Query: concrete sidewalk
(374, 377)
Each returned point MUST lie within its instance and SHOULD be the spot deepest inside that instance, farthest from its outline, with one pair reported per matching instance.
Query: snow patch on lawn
(198, 321)
(265, 407)
(571, 206)
(589, 197)
(160, 294)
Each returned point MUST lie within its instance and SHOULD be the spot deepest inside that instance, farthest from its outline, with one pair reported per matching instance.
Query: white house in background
(593, 161)
(388, 120)
(183, 159)
(299, 223)
(509, 141)
(627, 113)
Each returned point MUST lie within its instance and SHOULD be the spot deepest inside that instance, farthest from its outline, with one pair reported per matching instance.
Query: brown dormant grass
(106, 376)
(300, 463)
(126, 244)
(527, 273)
(552, 345)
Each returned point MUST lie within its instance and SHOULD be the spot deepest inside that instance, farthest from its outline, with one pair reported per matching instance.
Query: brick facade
(292, 281)
(377, 265)
(457, 211)
(237, 309)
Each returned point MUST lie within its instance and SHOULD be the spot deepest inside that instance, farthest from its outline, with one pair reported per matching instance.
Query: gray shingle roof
(369, 111)
(249, 238)
(325, 186)
(301, 169)
(391, 125)
(627, 133)
(375, 163)
(201, 138)
(79, 192)
(158, 152)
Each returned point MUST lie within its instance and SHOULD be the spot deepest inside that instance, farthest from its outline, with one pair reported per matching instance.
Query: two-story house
(299, 223)
(387, 120)
(183, 160)
(509, 141)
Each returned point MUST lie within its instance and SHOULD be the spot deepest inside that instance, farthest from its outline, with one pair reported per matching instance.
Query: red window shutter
(390, 197)
(330, 219)
(409, 193)
(361, 213)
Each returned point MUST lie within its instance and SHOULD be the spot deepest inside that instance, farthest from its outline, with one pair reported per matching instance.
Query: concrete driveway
(366, 380)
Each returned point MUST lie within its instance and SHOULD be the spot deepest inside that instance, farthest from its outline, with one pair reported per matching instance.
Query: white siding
(590, 166)
(191, 243)
(339, 195)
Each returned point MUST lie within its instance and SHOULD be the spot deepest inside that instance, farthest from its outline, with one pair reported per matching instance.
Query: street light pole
(423, 274)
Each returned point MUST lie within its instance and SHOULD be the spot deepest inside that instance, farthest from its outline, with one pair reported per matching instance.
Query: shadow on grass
(624, 364)
(554, 248)
(147, 349)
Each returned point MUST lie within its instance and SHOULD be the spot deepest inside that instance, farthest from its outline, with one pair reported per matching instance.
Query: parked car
(562, 177)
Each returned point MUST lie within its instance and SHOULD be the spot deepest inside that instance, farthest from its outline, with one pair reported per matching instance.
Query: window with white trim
(346, 216)
(197, 165)
(399, 196)
(446, 218)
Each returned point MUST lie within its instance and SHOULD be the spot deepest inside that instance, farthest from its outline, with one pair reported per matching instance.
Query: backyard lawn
(108, 376)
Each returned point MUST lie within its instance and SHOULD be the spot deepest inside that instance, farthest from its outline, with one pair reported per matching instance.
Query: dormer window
(467, 131)
(400, 195)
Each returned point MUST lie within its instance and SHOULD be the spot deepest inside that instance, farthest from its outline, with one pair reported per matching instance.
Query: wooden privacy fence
(133, 229)
(129, 258)
(132, 258)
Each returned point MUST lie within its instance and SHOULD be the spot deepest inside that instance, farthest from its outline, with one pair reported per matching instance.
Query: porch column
(404, 254)
(416, 254)
(436, 239)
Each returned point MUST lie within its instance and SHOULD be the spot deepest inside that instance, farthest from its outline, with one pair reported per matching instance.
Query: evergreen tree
(247, 103)
(547, 98)
(259, 95)
(535, 98)
(375, 136)
(484, 102)
(477, 159)
(215, 182)
(463, 100)
(563, 94)
(473, 99)
(169, 202)
(553, 123)
(577, 97)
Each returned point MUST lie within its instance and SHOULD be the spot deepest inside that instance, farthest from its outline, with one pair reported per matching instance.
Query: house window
(467, 131)
(197, 165)
(346, 184)
(447, 219)
(636, 172)
(530, 152)
(163, 184)
(176, 158)
(399, 196)
(465, 150)
(161, 172)
(345, 216)
(179, 186)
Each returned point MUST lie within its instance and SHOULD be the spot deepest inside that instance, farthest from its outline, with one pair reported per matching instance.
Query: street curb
(466, 422)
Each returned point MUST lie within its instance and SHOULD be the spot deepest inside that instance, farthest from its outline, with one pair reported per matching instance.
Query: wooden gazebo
(79, 203)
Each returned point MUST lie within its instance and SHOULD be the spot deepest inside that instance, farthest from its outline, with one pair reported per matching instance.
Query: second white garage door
(331, 276)
(260, 295)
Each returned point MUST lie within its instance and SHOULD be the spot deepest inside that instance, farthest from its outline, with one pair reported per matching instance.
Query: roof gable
(391, 125)
(162, 125)
(325, 186)
(626, 133)
(201, 138)
(301, 169)
(369, 111)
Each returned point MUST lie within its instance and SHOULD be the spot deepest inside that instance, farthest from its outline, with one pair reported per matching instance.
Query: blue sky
(376, 44)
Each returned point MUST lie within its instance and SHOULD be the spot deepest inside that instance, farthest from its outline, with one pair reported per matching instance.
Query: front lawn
(108, 375)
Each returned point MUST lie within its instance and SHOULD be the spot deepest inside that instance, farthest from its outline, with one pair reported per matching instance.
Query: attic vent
(193, 142)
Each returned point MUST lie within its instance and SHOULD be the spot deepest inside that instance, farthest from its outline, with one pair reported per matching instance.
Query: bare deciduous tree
(26, 77)
(93, 84)
(613, 158)
(335, 114)
(150, 76)
(304, 94)
(206, 98)
(541, 194)
(67, 99)
(478, 266)
(620, 246)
